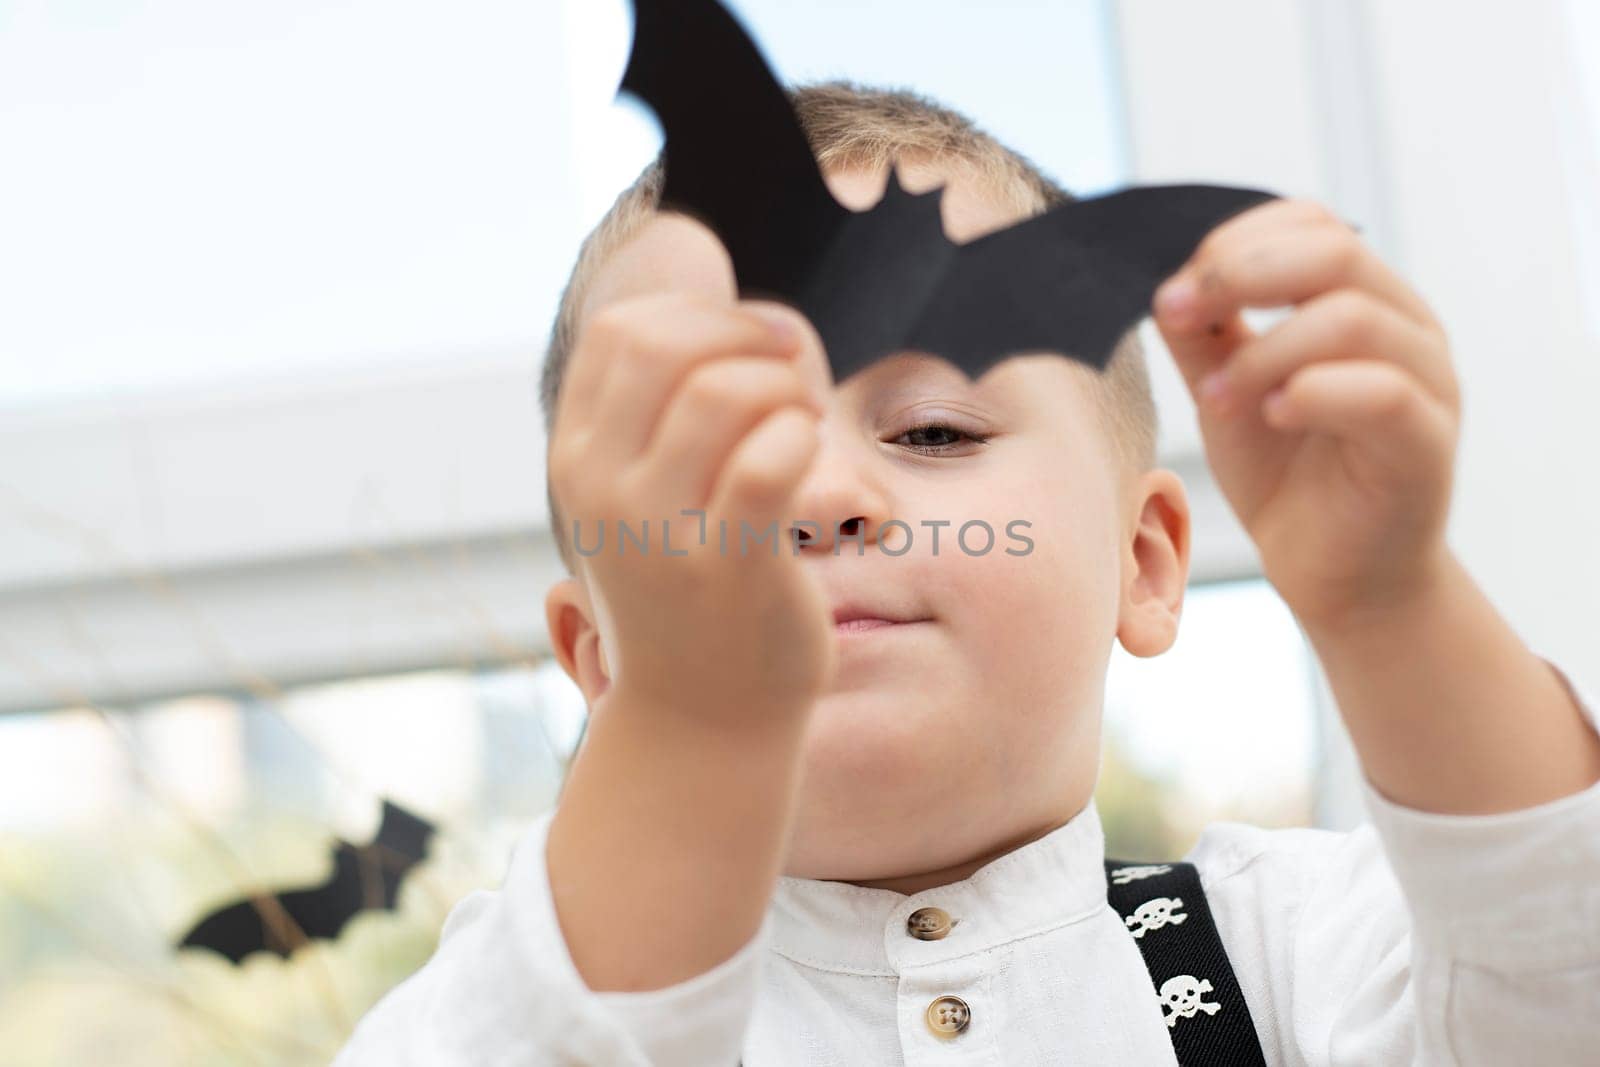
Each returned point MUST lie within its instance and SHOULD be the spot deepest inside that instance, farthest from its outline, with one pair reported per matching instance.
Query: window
(119, 829)
(242, 195)
(1223, 725)
(1577, 104)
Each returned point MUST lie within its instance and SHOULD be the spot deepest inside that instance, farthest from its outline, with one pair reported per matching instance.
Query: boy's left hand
(1333, 434)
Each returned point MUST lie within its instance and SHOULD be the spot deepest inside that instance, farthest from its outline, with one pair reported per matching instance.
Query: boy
(800, 839)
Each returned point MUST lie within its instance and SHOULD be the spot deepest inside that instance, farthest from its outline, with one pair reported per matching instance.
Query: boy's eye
(943, 437)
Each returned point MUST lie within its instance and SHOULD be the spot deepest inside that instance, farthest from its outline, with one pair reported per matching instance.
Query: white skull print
(1181, 995)
(1155, 913)
(1124, 875)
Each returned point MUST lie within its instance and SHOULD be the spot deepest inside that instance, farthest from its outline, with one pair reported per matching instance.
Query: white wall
(1435, 127)
(1484, 224)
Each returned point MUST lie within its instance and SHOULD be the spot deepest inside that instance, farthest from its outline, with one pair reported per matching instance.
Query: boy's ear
(1155, 565)
(575, 639)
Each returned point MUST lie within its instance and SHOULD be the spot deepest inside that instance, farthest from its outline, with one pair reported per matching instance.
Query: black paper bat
(1072, 280)
(365, 877)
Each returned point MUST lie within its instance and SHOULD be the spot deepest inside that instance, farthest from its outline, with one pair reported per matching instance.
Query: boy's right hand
(678, 402)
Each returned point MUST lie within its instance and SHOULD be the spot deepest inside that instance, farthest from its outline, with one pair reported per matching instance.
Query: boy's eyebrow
(904, 372)
(906, 376)
(908, 373)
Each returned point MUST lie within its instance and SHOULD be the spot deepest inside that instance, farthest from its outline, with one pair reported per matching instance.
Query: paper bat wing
(876, 282)
(1072, 280)
(737, 159)
(240, 928)
(234, 931)
(363, 878)
(402, 833)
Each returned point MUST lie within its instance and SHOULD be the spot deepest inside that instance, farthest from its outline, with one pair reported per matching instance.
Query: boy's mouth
(853, 618)
(853, 626)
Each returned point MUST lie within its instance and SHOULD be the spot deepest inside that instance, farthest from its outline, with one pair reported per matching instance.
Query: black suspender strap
(1165, 911)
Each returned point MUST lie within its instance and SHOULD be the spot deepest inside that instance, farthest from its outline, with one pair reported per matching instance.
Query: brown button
(929, 924)
(948, 1016)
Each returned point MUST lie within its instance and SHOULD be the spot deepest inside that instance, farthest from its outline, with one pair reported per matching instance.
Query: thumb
(811, 359)
(1200, 349)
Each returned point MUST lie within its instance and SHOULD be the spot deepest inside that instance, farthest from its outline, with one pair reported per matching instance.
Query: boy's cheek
(1057, 588)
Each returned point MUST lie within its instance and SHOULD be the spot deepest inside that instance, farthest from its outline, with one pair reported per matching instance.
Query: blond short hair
(851, 126)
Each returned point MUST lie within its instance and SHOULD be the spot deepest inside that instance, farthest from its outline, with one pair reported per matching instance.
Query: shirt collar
(1052, 881)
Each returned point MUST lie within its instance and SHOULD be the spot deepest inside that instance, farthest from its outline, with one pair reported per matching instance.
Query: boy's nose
(838, 501)
(846, 530)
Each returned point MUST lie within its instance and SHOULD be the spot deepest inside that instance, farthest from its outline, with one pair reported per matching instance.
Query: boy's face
(948, 742)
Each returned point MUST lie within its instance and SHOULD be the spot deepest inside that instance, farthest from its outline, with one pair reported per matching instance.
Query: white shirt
(1415, 939)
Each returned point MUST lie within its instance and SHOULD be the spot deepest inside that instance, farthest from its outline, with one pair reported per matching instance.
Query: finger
(1343, 324)
(1180, 311)
(1280, 265)
(1266, 218)
(812, 358)
(717, 405)
(1200, 353)
(1200, 348)
(758, 482)
(1374, 404)
(653, 345)
(671, 255)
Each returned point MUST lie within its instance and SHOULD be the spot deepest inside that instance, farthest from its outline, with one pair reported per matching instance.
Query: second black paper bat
(365, 877)
(1072, 280)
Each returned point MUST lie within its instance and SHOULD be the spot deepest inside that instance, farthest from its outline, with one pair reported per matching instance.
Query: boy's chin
(893, 709)
(879, 756)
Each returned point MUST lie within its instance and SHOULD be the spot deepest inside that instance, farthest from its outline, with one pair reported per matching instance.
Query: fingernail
(779, 321)
(1273, 406)
(1176, 299)
(1214, 389)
